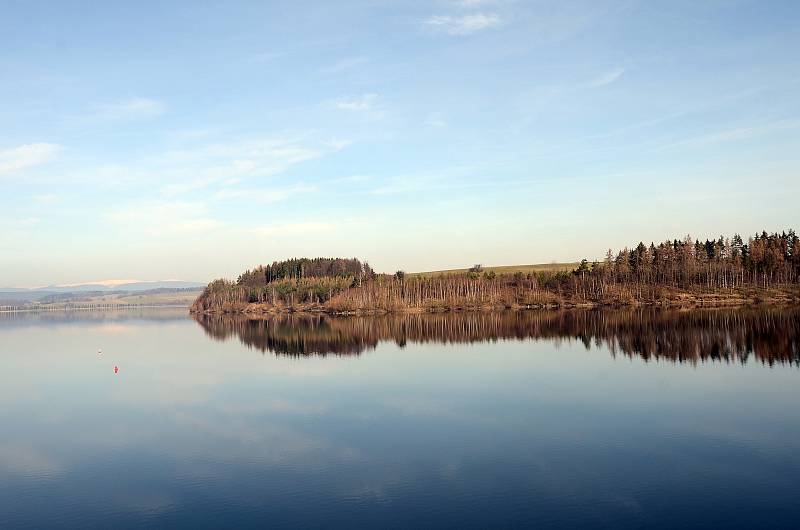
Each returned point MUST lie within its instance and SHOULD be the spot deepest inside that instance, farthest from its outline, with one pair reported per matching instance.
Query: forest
(724, 271)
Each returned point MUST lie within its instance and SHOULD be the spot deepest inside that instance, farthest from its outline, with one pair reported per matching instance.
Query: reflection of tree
(770, 335)
(287, 334)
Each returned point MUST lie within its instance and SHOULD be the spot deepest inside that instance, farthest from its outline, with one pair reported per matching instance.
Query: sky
(193, 140)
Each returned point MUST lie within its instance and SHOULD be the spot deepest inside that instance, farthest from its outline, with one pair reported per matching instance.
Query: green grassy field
(508, 269)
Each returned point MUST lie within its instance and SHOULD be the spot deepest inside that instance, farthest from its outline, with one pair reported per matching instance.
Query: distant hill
(120, 286)
(108, 285)
(117, 288)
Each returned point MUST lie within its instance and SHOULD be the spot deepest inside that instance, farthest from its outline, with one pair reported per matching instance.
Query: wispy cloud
(190, 170)
(263, 195)
(266, 57)
(363, 103)
(189, 134)
(337, 144)
(344, 65)
(130, 109)
(47, 199)
(109, 176)
(463, 24)
(157, 218)
(213, 167)
(26, 221)
(448, 178)
(353, 179)
(436, 120)
(606, 78)
(469, 4)
(25, 156)
(735, 134)
(294, 228)
(279, 152)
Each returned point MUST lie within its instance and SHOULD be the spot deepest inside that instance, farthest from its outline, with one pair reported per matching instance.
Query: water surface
(595, 419)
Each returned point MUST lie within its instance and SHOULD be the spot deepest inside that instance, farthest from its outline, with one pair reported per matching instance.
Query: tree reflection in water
(769, 335)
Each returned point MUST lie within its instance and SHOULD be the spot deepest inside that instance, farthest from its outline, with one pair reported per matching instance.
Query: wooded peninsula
(685, 272)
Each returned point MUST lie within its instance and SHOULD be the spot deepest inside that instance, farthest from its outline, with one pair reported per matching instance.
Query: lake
(624, 419)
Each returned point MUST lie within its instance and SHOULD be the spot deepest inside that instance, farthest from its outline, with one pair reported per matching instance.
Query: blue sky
(193, 140)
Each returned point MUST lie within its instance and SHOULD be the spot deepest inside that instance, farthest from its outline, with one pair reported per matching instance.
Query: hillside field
(507, 269)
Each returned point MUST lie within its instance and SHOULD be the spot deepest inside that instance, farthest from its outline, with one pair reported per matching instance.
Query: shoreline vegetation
(678, 273)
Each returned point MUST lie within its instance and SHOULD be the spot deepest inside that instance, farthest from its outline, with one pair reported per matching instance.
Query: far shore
(684, 300)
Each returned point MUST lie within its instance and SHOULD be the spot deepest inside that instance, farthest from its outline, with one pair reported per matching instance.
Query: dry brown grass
(507, 269)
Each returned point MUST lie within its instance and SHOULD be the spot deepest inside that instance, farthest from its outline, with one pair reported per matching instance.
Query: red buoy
(116, 369)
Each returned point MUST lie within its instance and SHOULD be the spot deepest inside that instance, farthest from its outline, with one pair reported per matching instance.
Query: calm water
(590, 419)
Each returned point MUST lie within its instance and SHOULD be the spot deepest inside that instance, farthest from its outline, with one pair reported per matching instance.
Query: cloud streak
(130, 109)
(363, 103)
(195, 169)
(461, 25)
(294, 228)
(26, 156)
(734, 134)
(468, 4)
(157, 218)
(607, 78)
(264, 196)
(344, 65)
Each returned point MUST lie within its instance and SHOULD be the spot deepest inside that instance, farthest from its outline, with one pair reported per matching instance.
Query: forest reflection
(767, 336)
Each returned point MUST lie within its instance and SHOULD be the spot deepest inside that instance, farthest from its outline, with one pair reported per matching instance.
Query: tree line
(288, 283)
(714, 271)
(765, 259)
(299, 268)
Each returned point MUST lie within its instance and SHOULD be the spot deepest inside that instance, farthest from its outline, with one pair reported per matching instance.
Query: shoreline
(689, 303)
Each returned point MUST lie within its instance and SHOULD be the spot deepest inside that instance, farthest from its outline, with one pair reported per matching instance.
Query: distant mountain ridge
(115, 288)
(108, 285)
